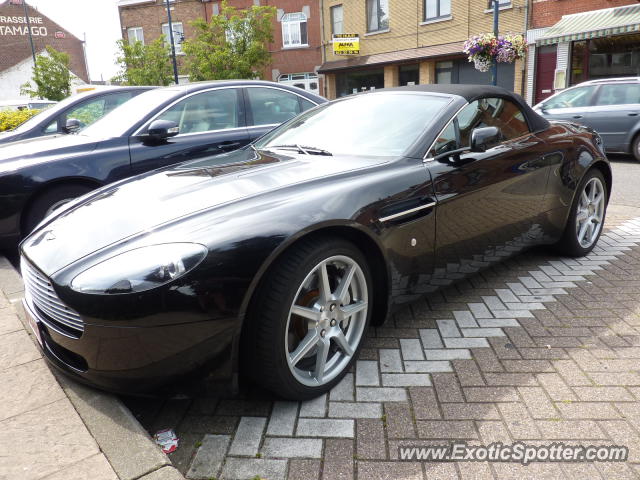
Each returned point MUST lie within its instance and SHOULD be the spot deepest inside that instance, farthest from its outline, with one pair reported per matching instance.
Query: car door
(615, 113)
(490, 203)
(572, 104)
(268, 107)
(210, 122)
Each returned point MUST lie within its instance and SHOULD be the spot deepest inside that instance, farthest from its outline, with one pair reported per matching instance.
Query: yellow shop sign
(346, 44)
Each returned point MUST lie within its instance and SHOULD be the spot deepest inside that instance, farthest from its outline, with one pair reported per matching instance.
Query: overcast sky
(98, 19)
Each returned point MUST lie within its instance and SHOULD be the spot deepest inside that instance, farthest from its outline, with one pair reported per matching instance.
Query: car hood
(146, 203)
(15, 155)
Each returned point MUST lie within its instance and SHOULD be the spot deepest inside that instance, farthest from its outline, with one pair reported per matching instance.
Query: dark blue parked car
(155, 129)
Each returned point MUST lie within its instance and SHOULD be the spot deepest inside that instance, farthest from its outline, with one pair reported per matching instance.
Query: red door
(545, 71)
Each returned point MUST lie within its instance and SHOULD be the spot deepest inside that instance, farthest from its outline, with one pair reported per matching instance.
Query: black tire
(46, 200)
(569, 243)
(635, 147)
(267, 335)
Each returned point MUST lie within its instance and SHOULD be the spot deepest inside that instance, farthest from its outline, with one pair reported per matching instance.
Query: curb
(124, 442)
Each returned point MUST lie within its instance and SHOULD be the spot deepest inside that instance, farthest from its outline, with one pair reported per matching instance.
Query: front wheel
(587, 215)
(635, 148)
(307, 324)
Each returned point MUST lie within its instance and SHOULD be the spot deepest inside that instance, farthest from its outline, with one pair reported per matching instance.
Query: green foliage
(10, 119)
(51, 77)
(234, 44)
(144, 64)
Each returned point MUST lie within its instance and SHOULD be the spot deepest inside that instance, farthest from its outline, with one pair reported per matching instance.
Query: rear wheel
(635, 147)
(307, 324)
(49, 201)
(587, 215)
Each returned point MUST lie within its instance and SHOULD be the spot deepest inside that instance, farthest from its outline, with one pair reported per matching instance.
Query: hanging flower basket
(483, 49)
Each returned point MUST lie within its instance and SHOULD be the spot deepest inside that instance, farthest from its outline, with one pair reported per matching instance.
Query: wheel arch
(605, 169)
(50, 185)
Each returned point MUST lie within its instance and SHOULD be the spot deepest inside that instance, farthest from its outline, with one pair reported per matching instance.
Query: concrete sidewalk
(53, 428)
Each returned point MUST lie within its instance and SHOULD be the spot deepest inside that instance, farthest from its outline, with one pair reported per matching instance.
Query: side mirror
(72, 125)
(484, 138)
(162, 129)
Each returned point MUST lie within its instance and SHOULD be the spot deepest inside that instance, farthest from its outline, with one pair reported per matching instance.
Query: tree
(51, 76)
(234, 44)
(144, 64)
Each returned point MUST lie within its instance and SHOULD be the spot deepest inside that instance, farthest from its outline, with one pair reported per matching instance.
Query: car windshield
(375, 124)
(122, 118)
(50, 110)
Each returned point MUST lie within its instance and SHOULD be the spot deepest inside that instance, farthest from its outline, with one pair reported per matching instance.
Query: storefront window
(606, 57)
(444, 72)
(359, 81)
(409, 74)
(579, 62)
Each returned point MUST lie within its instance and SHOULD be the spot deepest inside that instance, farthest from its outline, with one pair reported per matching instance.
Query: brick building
(295, 51)
(409, 41)
(16, 60)
(146, 20)
(571, 41)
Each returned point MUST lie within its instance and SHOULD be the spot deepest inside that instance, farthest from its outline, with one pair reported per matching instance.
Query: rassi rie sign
(17, 25)
(346, 44)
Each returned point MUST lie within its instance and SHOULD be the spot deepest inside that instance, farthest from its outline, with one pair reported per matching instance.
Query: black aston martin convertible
(272, 260)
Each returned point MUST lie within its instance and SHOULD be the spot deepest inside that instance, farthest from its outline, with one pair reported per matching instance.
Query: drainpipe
(322, 50)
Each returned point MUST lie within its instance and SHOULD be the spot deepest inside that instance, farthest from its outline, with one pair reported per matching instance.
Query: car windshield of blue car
(123, 118)
(379, 124)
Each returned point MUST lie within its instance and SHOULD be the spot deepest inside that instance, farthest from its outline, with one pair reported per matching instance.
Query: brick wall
(545, 13)
(408, 30)
(16, 47)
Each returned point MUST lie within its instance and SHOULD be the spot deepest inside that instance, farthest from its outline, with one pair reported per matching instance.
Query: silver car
(610, 106)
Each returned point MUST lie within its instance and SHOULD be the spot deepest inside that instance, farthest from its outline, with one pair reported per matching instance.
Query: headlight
(140, 269)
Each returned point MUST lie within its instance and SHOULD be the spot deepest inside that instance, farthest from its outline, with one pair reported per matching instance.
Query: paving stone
(321, 427)
(491, 394)
(475, 470)
(448, 354)
(411, 349)
(492, 431)
(470, 411)
(427, 366)
(465, 342)
(468, 373)
(220, 424)
(447, 387)
(399, 420)
(448, 328)
(16, 348)
(431, 338)
(370, 439)
(570, 430)
(315, 407)
(381, 394)
(367, 373)
(518, 421)
(482, 332)
(593, 410)
(96, 468)
(390, 471)
(538, 403)
(9, 321)
(405, 379)
(355, 410)
(283, 418)
(487, 360)
(424, 403)
(390, 360)
(209, 457)
(615, 378)
(532, 366)
(441, 429)
(465, 319)
(603, 394)
(292, 448)
(244, 468)
(304, 469)
(248, 435)
(555, 386)
(338, 459)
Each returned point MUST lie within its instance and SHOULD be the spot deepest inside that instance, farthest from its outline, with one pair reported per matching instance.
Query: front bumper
(135, 359)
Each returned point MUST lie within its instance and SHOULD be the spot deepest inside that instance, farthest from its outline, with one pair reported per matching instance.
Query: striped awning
(594, 24)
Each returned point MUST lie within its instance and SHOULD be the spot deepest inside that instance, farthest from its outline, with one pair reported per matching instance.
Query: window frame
(366, 11)
(287, 24)
(333, 9)
(177, 42)
(501, 6)
(135, 29)
(439, 16)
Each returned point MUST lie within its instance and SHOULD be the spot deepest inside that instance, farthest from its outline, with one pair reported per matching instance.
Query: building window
(377, 15)
(336, 19)
(435, 9)
(502, 3)
(294, 30)
(135, 34)
(178, 35)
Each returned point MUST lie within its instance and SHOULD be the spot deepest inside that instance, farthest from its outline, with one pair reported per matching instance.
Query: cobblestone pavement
(539, 348)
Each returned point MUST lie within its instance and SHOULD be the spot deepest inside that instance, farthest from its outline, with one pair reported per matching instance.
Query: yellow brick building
(413, 41)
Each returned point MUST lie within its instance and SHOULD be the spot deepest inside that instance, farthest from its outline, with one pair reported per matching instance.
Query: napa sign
(346, 44)
(17, 25)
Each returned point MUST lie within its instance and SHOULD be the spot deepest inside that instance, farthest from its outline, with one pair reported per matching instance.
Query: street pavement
(539, 349)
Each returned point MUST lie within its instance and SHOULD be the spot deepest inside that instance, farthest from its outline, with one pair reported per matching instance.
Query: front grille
(53, 312)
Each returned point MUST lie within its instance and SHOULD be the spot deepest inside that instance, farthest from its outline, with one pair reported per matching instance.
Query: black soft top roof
(474, 92)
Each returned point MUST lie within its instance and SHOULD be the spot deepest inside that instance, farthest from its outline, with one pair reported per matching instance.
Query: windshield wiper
(302, 149)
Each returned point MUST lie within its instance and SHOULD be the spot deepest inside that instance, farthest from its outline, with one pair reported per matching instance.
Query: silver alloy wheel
(326, 320)
(56, 206)
(590, 212)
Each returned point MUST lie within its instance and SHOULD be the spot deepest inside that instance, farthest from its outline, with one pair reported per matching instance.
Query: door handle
(633, 114)
(577, 116)
(228, 145)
